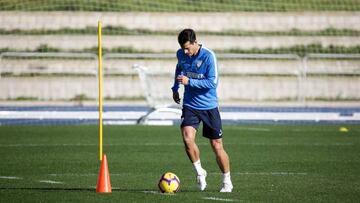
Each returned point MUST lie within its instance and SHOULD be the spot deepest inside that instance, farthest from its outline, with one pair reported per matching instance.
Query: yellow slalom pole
(100, 92)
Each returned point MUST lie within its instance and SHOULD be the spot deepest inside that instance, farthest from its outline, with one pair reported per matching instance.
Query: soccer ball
(169, 183)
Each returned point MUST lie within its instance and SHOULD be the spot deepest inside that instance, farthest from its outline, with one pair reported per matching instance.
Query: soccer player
(197, 70)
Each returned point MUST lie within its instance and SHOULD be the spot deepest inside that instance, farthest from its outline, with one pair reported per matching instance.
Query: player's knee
(217, 145)
(188, 135)
(187, 141)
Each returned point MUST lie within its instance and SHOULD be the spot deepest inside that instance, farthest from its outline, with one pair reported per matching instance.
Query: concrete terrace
(248, 80)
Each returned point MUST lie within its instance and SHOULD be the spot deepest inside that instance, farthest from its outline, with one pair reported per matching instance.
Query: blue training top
(202, 71)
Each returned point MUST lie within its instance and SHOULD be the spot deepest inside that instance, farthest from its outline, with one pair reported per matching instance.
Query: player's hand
(183, 79)
(176, 97)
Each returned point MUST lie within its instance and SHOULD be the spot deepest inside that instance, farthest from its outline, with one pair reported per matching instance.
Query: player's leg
(222, 157)
(223, 162)
(192, 150)
(213, 130)
(189, 124)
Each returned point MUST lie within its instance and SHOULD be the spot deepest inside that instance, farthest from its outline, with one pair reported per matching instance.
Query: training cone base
(103, 184)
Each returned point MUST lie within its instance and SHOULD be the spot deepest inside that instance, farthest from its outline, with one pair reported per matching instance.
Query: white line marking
(178, 144)
(272, 173)
(50, 182)
(10, 177)
(291, 144)
(74, 174)
(253, 129)
(151, 192)
(220, 199)
(89, 145)
(87, 174)
(267, 173)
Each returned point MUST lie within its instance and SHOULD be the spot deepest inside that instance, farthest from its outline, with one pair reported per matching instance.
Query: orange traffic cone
(103, 184)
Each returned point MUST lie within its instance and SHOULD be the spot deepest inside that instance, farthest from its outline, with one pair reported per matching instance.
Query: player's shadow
(85, 189)
(47, 189)
(68, 189)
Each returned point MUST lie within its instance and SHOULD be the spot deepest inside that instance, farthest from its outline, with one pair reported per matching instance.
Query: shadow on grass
(86, 189)
(68, 189)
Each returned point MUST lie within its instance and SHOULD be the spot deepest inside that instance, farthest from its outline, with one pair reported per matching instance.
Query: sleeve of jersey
(175, 87)
(211, 77)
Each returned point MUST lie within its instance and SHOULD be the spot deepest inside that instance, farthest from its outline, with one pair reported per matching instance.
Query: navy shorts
(211, 120)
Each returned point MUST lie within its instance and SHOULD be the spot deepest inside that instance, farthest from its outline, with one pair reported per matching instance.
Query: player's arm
(175, 87)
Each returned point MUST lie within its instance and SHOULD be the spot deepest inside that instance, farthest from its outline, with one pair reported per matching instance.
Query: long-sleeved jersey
(202, 71)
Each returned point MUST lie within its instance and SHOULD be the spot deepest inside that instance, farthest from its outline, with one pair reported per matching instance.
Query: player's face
(190, 49)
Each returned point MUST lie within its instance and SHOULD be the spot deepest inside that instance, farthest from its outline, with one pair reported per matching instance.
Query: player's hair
(186, 35)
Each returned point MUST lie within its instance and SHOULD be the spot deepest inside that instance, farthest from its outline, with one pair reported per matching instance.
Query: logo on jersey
(198, 63)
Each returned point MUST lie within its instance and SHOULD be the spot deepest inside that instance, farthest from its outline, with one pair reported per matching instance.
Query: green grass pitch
(269, 163)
